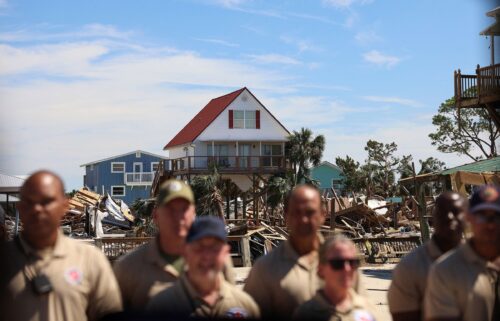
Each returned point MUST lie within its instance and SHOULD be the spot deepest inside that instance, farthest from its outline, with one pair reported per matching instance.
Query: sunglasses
(339, 264)
(482, 218)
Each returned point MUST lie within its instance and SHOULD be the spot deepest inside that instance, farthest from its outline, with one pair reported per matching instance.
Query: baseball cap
(172, 189)
(487, 197)
(206, 226)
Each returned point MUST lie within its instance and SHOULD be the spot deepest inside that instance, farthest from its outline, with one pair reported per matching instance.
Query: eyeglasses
(339, 264)
(483, 218)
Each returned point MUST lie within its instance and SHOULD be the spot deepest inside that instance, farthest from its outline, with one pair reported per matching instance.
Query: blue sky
(84, 80)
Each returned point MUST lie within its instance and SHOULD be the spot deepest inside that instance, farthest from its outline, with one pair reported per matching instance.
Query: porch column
(237, 149)
(260, 148)
(213, 148)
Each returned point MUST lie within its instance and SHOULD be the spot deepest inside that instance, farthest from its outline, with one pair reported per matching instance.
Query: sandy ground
(376, 281)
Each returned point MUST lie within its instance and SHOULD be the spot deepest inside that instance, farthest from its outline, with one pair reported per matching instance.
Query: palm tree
(207, 190)
(304, 150)
(278, 187)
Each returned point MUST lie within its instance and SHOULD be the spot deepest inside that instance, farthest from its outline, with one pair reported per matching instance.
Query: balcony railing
(139, 178)
(484, 86)
(233, 164)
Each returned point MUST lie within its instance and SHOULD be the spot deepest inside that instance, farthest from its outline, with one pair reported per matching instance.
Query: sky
(86, 80)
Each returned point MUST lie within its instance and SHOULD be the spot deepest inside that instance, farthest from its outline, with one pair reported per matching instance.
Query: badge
(237, 313)
(363, 315)
(73, 276)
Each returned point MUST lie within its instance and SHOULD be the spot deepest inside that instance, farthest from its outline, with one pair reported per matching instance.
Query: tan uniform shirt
(409, 279)
(143, 273)
(83, 284)
(461, 284)
(320, 309)
(281, 280)
(182, 300)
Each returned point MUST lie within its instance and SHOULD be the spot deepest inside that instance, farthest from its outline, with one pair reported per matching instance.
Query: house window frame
(241, 123)
(336, 183)
(152, 167)
(270, 160)
(113, 171)
(120, 195)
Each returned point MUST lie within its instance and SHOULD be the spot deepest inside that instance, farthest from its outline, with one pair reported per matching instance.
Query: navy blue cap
(487, 197)
(207, 226)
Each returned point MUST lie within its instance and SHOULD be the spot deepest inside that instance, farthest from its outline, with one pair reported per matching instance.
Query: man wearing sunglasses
(338, 265)
(409, 278)
(464, 284)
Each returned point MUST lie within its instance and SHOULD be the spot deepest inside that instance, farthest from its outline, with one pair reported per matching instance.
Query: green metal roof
(487, 165)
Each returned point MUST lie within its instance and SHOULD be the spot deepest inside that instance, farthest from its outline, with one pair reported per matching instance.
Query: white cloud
(380, 59)
(367, 37)
(393, 100)
(274, 59)
(218, 42)
(93, 30)
(301, 44)
(344, 4)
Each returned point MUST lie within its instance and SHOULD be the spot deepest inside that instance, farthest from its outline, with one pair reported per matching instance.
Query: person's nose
(347, 266)
(38, 208)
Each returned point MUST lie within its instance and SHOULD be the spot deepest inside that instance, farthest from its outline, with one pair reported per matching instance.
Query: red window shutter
(230, 118)
(257, 119)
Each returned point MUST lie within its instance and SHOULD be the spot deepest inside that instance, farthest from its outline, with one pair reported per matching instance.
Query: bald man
(409, 278)
(286, 277)
(46, 275)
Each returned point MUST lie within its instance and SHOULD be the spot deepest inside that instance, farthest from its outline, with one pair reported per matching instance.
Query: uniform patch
(363, 315)
(237, 313)
(73, 276)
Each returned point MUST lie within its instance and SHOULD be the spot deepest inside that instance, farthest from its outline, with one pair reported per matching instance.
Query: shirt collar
(471, 256)
(58, 250)
(193, 294)
(154, 256)
(356, 301)
(291, 254)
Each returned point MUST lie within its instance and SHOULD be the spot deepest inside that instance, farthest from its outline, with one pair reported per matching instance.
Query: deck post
(245, 251)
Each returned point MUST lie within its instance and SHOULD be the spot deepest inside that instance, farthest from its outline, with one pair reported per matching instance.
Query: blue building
(127, 177)
(329, 176)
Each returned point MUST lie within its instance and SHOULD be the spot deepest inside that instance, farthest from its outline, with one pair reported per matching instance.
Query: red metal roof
(204, 118)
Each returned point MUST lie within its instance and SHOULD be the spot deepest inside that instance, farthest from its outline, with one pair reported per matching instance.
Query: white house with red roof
(235, 132)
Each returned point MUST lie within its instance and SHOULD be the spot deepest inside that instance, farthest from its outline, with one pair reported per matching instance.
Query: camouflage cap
(172, 189)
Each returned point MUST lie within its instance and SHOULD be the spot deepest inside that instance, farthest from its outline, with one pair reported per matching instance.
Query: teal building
(329, 176)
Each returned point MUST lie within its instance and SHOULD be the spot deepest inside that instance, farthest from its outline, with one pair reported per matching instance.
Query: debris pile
(93, 214)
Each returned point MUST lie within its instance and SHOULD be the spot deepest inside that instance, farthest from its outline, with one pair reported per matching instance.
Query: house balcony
(229, 164)
(139, 178)
(481, 88)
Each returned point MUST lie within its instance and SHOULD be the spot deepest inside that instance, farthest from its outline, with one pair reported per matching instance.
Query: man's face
(206, 257)
(305, 214)
(485, 226)
(449, 222)
(41, 207)
(174, 218)
(341, 277)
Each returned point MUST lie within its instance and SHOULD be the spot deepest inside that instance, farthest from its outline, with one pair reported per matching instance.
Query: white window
(118, 190)
(239, 119)
(118, 167)
(244, 119)
(92, 167)
(250, 119)
(138, 154)
(154, 166)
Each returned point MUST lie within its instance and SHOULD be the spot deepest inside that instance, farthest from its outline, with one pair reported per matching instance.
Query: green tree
(208, 192)
(474, 135)
(380, 168)
(304, 150)
(352, 179)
